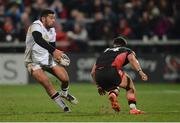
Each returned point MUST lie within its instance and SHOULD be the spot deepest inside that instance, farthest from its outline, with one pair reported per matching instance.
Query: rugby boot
(67, 109)
(136, 111)
(70, 98)
(114, 102)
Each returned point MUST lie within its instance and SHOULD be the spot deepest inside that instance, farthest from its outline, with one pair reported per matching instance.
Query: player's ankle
(56, 95)
(132, 104)
(64, 92)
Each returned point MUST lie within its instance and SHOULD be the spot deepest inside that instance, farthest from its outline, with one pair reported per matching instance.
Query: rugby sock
(64, 85)
(64, 92)
(132, 103)
(58, 100)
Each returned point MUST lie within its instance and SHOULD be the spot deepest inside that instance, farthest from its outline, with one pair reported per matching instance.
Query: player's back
(113, 55)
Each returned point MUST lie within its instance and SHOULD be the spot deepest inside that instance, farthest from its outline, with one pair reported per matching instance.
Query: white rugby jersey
(35, 53)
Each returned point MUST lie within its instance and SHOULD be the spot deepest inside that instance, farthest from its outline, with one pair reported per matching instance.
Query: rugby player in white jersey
(41, 55)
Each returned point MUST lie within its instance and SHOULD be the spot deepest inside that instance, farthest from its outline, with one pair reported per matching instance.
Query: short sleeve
(36, 27)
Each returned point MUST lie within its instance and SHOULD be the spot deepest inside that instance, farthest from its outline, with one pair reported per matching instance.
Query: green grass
(161, 102)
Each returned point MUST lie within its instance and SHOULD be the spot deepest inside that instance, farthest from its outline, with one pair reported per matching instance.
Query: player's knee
(115, 90)
(132, 90)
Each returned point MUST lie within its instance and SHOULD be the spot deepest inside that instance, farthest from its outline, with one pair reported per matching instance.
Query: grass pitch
(161, 102)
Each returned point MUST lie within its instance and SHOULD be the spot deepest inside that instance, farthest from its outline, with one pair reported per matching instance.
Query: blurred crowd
(79, 21)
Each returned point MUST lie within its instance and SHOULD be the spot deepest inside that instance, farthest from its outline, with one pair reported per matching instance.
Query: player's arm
(100, 90)
(53, 44)
(136, 66)
(43, 43)
(93, 73)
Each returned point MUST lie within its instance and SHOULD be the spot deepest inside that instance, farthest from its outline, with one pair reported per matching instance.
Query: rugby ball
(64, 60)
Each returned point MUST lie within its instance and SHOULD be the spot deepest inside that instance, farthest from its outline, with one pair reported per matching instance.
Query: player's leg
(42, 78)
(112, 95)
(62, 75)
(106, 78)
(128, 84)
(113, 80)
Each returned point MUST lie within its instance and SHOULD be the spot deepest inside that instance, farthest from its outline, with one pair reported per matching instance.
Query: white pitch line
(160, 91)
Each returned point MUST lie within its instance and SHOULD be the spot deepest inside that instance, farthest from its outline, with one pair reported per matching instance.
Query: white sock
(132, 106)
(60, 102)
(64, 92)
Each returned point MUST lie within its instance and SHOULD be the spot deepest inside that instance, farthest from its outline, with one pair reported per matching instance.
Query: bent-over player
(108, 74)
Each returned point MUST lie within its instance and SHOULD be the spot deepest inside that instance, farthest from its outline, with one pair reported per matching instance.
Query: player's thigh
(124, 81)
(127, 82)
(60, 72)
(41, 77)
(38, 73)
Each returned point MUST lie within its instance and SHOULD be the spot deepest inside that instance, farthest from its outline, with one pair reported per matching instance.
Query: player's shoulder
(36, 24)
(126, 49)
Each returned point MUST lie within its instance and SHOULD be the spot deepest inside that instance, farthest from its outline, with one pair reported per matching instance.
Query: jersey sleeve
(128, 50)
(36, 27)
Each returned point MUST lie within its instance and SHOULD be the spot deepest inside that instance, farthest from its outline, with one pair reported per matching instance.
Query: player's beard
(48, 26)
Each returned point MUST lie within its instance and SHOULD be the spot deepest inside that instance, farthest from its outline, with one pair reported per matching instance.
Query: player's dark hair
(45, 12)
(119, 41)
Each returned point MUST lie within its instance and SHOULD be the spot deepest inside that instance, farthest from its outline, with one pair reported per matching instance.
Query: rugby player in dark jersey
(109, 77)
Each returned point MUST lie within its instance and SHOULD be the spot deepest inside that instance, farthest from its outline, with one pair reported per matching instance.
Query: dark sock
(55, 96)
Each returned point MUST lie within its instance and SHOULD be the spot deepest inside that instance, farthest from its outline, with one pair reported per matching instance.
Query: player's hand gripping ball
(64, 60)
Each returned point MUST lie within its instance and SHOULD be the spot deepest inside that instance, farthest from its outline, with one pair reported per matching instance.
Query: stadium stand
(90, 25)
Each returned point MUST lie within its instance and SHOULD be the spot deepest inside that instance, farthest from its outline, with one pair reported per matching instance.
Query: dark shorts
(108, 78)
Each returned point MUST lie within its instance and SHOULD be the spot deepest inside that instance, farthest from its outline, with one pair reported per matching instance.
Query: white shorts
(34, 66)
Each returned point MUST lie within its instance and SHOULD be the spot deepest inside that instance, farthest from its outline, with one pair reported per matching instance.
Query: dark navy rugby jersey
(114, 57)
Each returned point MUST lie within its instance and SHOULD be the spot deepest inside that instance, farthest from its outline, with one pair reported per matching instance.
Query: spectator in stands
(107, 33)
(61, 37)
(61, 11)
(23, 27)
(162, 27)
(97, 26)
(37, 7)
(166, 7)
(98, 6)
(2, 38)
(146, 25)
(109, 15)
(75, 16)
(14, 12)
(95, 14)
(79, 36)
(176, 15)
(124, 28)
(9, 30)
